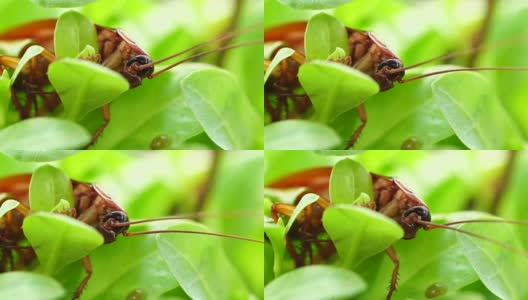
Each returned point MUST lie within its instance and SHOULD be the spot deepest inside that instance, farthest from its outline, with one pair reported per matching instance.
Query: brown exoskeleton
(91, 206)
(390, 198)
(116, 51)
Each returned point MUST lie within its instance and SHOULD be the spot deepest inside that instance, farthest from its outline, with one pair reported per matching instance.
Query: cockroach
(117, 51)
(91, 206)
(367, 54)
(390, 198)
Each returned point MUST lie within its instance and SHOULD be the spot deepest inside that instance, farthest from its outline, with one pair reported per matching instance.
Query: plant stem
(504, 181)
(205, 191)
(480, 35)
(231, 27)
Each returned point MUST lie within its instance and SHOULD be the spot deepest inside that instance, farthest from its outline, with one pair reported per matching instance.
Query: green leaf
(299, 135)
(338, 152)
(28, 55)
(58, 135)
(314, 4)
(48, 186)
(318, 282)
(305, 201)
(284, 195)
(391, 123)
(246, 257)
(59, 240)
(335, 88)
(7, 205)
(136, 104)
(62, 3)
(475, 114)
(513, 207)
(508, 25)
(288, 162)
(272, 47)
(73, 33)
(269, 255)
(84, 86)
(39, 156)
(5, 98)
(61, 205)
(504, 273)
(176, 123)
(324, 34)
(368, 234)
(281, 55)
(362, 200)
(337, 54)
(194, 261)
(276, 234)
(140, 266)
(222, 109)
(445, 263)
(87, 52)
(348, 181)
(26, 285)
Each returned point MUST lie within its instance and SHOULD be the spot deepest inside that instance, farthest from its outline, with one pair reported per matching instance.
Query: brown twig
(231, 27)
(504, 181)
(205, 190)
(480, 36)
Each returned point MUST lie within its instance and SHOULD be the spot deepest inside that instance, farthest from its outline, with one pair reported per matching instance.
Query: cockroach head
(135, 69)
(386, 75)
(110, 228)
(410, 218)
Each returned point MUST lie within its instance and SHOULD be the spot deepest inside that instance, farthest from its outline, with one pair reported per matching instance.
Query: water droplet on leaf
(435, 290)
(161, 142)
(137, 294)
(412, 143)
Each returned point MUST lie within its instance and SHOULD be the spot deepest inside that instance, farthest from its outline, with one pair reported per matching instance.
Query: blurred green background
(165, 183)
(449, 182)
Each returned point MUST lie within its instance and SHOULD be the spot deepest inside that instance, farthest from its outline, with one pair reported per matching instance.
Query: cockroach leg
(10, 62)
(269, 108)
(281, 208)
(209, 183)
(51, 100)
(234, 20)
(394, 279)
(106, 119)
(3, 263)
(362, 113)
(308, 246)
(480, 36)
(31, 100)
(25, 254)
(298, 258)
(88, 268)
(7, 263)
(9, 254)
(23, 113)
(278, 109)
